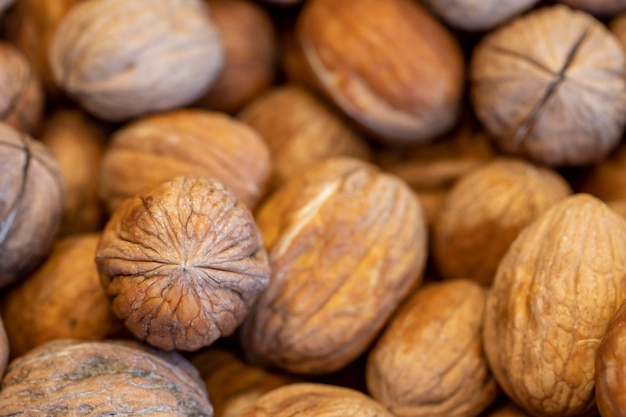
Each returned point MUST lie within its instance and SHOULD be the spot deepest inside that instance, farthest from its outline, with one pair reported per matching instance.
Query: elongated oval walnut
(556, 290)
(182, 263)
(102, 378)
(611, 368)
(346, 244)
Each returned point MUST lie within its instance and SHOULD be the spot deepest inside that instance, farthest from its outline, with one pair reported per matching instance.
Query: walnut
(430, 360)
(319, 400)
(21, 97)
(174, 56)
(31, 203)
(77, 142)
(555, 291)
(611, 367)
(182, 263)
(102, 378)
(346, 244)
(185, 142)
(598, 7)
(62, 299)
(550, 86)
(486, 210)
(403, 97)
(300, 130)
(250, 51)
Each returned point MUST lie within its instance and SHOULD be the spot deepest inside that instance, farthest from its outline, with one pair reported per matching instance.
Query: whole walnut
(300, 130)
(486, 210)
(550, 86)
(174, 57)
(430, 361)
(21, 96)
(158, 148)
(183, 263)
(102, 379)
(389, 65)
(555, 291)
(598, 7)
(61, 299)
(31, 203)
(611, 367)
(346, 244)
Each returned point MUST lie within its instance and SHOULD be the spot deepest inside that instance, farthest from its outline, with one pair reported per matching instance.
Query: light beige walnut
(611, 368)
(598, 7)
(430, 361)
(556, 289)
(346, 243)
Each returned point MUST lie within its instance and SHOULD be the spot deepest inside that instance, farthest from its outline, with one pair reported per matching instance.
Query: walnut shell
(486, 210)
(31, 203)
(174, 56)
(404, 97)
(611, 368)
(550, 86)
(346, 244)
(185, 142)
(598, 7)
(62, 299)
(319, 400)
(430, 361)
(556, 290)
(21, 97)
(182, 263)
(102, 378)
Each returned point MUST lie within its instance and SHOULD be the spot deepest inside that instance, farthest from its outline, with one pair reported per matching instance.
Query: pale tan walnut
(555, 291)
(486, 210)
(550, 86)
(21, 96)
(158, 148)
(31, 203)
(122, 59)
(301, 130)
(389, 65)
(250, 51)
(346, 244)
(61, 299)
(611, 368)
(430, 361)
(78, 144)
(598, 7)
(102, 379)
(182, 263)
(315, 400)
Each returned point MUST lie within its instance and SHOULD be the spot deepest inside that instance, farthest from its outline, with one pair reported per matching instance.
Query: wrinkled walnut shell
(611, 368)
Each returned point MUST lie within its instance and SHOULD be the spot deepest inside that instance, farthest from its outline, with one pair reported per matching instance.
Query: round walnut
(31, 203)
(429, 362)
(62, 299)
(358, 52)
(556, 289)
(611, 368)
(598, 7)
(182, 263)
(174, 56)
(185, 143)
(21, 96)
(102, 379)
(300, 130)
(550, 86)
(486, 210)
(346, 245)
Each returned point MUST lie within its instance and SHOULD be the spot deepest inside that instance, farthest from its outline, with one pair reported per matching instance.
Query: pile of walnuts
(242, 208)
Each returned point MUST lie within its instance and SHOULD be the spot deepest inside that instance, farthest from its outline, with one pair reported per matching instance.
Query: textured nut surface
(158, 148)
(174, 56)
(550, 86)
(102, 378)
(598, 7)
(357, 51)
(611, 368)
(485, 211)
(320, 400)
(346, 244)
(430, 361)
(182, 263)
(31, 203)
(556, 289)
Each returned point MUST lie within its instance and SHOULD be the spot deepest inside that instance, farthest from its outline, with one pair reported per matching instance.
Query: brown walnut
(182, 263)
(598, 7)
(550, 86)
(611, 368)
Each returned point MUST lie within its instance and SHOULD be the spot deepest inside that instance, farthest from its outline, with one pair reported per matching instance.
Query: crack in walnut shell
(182, 263)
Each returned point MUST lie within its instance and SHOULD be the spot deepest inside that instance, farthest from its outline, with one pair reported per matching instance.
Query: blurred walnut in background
(605, 8)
